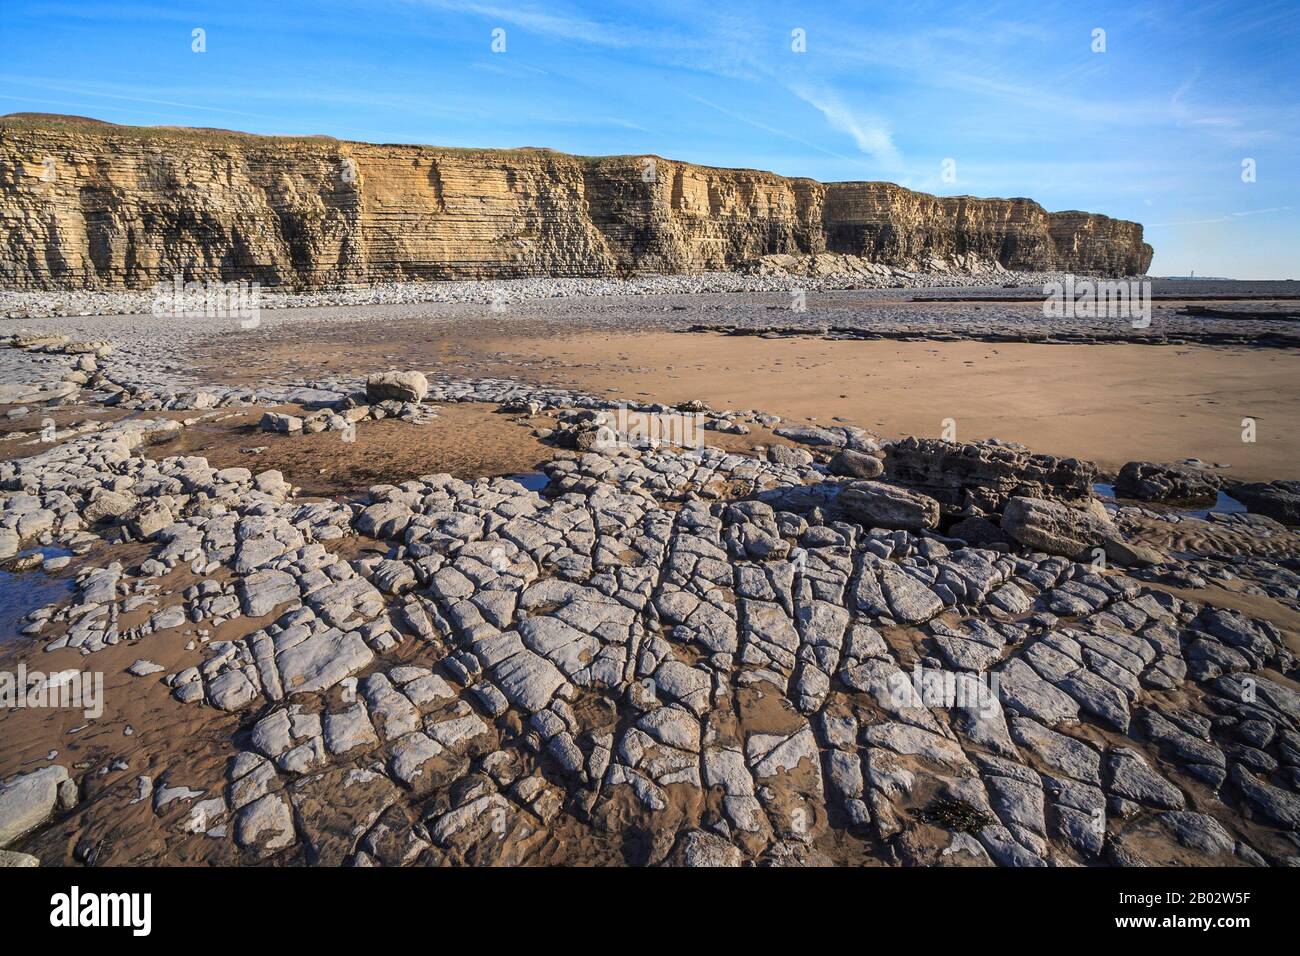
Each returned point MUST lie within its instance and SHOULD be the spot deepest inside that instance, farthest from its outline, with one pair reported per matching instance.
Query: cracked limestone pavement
(665, 656)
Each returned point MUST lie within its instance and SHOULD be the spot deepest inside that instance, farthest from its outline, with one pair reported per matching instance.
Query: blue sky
(1155, 128)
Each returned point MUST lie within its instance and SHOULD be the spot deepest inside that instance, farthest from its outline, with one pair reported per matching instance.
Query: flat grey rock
(28, 800)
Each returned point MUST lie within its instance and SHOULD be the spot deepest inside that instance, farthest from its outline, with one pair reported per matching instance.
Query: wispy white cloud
(1230, 217)
(565, 26)
(106, 91)
(1184, 113)
(767, 128)
(870, 133)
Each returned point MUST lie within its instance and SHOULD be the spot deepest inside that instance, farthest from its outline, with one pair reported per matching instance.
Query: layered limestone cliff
(892, 224)
(86, 205)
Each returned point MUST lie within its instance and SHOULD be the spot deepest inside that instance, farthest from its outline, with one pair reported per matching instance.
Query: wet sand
(1109, 403)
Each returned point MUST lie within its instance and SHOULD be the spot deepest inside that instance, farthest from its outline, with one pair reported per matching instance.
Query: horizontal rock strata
(974, 478)
(88, 205)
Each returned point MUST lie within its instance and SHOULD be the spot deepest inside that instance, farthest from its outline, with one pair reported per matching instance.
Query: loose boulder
(856, 464)
(1148, 481)
(284, 424)
(1074, 533)
(877, 505)
(397, 386)
(701, 849)
(1279, 500)
(28, 800)
(969, 478)
(1055, 528)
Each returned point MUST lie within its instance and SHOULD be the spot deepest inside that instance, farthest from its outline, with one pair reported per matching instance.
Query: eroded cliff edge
(89, 205)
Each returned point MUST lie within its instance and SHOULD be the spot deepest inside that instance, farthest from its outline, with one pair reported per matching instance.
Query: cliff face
(90, 205)
(890, 223)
